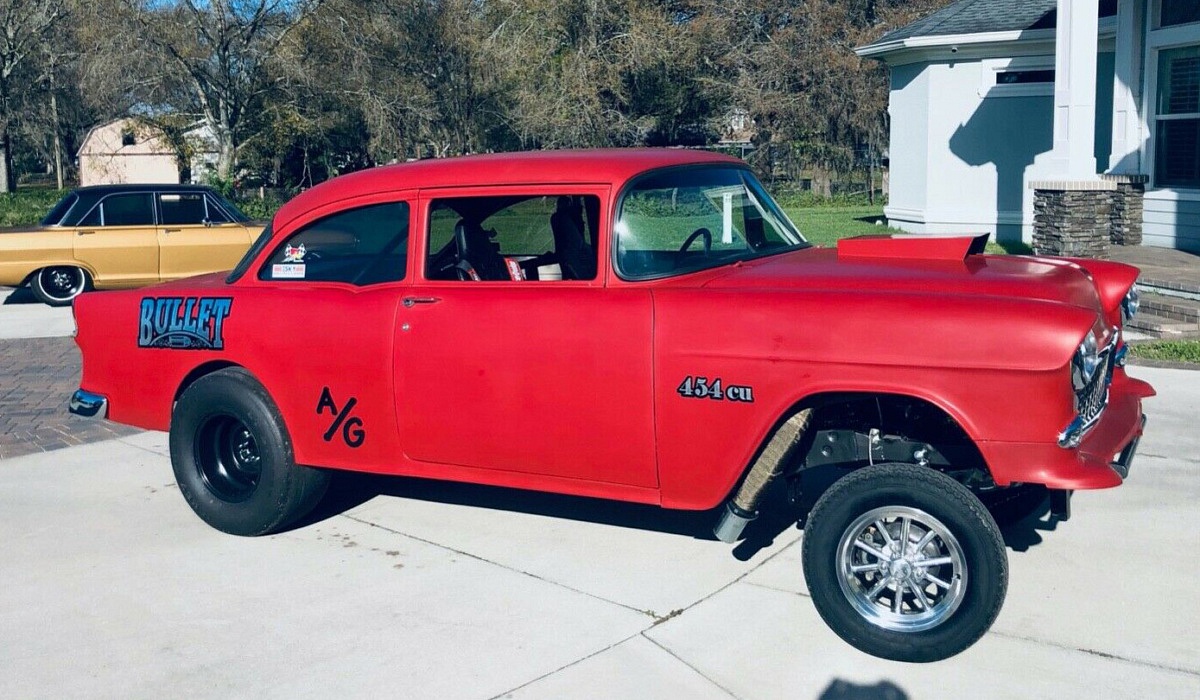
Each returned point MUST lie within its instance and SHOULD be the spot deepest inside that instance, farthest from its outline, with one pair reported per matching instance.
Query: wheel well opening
(200, 371)
(850, 430)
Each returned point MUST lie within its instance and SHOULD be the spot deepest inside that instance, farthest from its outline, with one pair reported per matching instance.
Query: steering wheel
(312, 256)
(698, 233)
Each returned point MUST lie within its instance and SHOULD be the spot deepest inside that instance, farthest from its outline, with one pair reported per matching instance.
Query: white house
(996, 101)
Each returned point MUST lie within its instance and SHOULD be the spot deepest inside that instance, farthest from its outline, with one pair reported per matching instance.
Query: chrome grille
(1091, 400)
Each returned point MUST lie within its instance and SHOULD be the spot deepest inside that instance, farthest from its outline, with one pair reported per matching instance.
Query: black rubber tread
(940, 496)
(39, 292)
(285, 492)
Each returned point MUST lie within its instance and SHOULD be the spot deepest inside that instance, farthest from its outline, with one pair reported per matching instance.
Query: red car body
(573, 388)
(652, 372)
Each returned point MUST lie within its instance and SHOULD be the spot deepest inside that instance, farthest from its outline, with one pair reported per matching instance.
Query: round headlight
(1086, 362)
(1131, 302)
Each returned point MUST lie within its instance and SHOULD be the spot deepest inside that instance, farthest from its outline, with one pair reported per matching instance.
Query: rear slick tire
(925, 601)
(233, 458)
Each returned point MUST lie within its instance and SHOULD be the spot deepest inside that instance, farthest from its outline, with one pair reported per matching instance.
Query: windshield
(55, 217)
(244, 264)
(683, 220)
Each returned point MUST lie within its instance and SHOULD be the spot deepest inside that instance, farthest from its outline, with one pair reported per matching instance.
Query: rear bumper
(87, 404)
(1100, 461)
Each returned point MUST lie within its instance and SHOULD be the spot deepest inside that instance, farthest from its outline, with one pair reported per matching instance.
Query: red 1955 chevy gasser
(647, 326)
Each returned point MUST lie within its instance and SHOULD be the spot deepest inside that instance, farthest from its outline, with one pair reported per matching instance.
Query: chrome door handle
(410, 302)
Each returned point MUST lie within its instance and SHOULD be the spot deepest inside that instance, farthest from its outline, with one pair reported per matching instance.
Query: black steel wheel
(233, 457)
(227, 458)
(59, 285)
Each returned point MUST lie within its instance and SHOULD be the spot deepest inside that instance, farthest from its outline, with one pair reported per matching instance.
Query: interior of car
(513, 238)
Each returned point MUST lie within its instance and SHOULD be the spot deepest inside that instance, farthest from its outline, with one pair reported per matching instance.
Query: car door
(118, 240)
(196, 236)
(547, 376)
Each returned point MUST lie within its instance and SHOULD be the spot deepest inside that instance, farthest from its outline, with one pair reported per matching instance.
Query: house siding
(908, 108)
(1171, 219)
(962, 156)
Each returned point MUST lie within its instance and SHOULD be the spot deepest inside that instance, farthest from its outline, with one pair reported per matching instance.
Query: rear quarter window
(366, 245)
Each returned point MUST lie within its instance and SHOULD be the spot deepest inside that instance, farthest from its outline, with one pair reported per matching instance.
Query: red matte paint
(571, 386)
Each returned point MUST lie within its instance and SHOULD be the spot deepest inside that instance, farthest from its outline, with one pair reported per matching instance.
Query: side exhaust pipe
(743, 507)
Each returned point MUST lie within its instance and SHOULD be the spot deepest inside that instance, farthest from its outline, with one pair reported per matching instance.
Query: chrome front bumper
(87, 404)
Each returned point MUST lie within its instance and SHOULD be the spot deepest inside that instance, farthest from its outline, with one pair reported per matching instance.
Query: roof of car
(613, 165)
(142, 187)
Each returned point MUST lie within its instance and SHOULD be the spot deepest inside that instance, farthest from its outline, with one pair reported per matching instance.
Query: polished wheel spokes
(901, 568)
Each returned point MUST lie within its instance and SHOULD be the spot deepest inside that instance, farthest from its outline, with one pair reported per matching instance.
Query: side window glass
(359, 246)
(122, 210)
(513, 238)
(181, 209)
(214, 213)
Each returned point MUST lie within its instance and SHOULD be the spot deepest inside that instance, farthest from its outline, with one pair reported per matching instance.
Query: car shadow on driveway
(1022, 528)
(349, 490)
(20, 295)
(1021, 520)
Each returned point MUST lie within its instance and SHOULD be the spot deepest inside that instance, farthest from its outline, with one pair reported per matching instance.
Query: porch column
(1128, 132)
(1075, 90)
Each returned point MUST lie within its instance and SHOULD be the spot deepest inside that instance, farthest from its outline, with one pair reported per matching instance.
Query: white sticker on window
(287, 272)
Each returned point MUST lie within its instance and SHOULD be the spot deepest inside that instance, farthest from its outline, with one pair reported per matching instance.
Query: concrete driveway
(111, 587)
(23, 316)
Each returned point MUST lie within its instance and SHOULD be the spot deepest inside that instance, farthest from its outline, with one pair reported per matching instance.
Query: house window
(127, 138)
(1177, 118)
(1022, 77)
(1173, 12)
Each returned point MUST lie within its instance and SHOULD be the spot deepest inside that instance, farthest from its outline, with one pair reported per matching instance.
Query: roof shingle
(979, 16)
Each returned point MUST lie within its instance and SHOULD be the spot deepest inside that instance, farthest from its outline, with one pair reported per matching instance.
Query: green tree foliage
(300, 90)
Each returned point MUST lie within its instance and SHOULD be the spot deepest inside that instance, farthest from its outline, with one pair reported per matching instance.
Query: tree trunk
(8, 179)
(58, 164)
(226, 153)
(58, 171)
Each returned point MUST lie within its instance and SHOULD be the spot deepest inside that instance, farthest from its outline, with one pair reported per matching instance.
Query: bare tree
(219, 51)
(25, 25)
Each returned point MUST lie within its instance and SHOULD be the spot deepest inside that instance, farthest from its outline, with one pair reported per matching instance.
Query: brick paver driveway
(37, 376)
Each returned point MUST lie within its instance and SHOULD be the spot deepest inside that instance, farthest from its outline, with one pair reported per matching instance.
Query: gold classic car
(118, 236)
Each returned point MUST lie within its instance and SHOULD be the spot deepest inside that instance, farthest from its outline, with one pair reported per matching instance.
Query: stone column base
(1080, 219)
(1071, 221)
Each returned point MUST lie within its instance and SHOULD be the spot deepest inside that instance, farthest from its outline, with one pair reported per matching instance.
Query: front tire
(233, 458)
(904, 563)
(59, 285)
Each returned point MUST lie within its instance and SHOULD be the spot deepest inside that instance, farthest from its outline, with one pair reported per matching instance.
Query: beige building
(126, 151)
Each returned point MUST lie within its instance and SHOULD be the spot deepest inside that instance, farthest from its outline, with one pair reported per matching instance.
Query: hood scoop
(911, 246)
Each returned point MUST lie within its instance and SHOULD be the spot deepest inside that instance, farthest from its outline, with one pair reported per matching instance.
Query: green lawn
(1173, 350)
(825, 225)
(26, 207)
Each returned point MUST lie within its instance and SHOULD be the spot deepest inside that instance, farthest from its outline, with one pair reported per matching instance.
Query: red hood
(821, 269)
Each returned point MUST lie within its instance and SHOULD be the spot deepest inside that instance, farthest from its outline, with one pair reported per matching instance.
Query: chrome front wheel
(901, 568)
